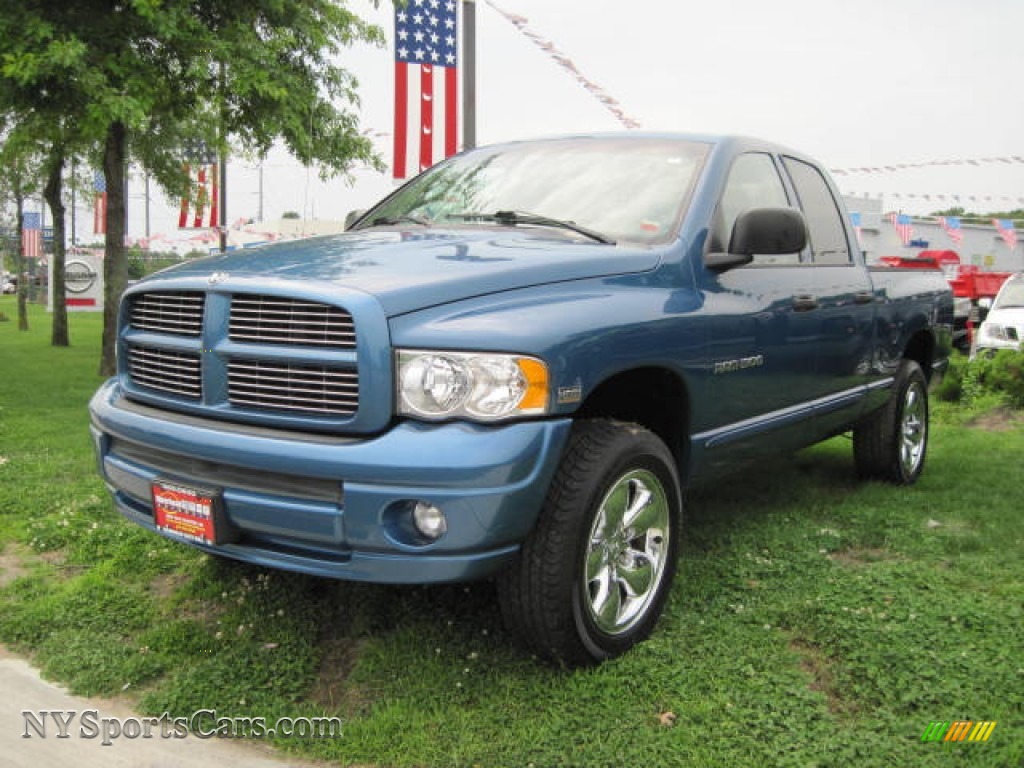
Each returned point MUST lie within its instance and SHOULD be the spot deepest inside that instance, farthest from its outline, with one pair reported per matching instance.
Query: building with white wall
(982, 245)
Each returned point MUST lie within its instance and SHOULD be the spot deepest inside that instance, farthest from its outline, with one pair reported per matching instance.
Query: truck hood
(414, 269)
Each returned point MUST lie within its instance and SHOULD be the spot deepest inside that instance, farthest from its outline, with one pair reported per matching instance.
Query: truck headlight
(480, 386)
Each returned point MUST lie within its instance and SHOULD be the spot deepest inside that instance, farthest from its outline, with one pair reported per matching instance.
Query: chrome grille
(289, 387)
(276, 320)
(176, 313)
(177, 373)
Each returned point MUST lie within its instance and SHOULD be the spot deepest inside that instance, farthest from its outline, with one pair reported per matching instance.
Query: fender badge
(571, 394)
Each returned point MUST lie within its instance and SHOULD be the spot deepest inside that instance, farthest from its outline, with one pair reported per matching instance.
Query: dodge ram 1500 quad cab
(512, 367)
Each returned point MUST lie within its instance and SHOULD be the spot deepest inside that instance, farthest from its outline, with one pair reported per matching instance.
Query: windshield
(1012, 294)
(627, 189)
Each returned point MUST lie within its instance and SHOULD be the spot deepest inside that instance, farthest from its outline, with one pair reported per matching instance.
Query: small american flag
(858, 227)
(99, 210)
(951, 226)
(904, 230)
(426, 107)
(1006, 231)
(32, 235)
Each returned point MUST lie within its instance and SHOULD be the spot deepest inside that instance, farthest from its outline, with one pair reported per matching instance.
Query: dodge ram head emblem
(218, 277)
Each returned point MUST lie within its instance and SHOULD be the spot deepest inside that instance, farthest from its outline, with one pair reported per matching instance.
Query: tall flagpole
(223, 152)
(223, 212)
(468, 74)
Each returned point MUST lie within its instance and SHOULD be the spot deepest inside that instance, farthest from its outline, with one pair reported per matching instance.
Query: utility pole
(260, 213)
(223, 152)
(468, 74)
(74, 198)
(223, 210)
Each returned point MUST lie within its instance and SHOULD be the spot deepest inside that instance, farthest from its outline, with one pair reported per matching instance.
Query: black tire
(592, 578)
(891, 444)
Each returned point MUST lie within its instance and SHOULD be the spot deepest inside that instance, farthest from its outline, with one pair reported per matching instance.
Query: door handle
(863, 297)
(805, 303)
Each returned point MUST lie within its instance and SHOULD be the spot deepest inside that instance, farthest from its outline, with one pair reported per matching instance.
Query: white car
(1004, 326)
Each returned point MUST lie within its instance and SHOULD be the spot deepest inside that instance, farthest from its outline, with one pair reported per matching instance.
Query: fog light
(429, 520)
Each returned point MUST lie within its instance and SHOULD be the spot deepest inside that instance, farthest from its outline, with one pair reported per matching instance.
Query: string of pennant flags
(555, 53)
(941, 198)
(958, 161)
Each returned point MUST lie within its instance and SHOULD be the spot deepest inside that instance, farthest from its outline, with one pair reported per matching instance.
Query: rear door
(842, 292)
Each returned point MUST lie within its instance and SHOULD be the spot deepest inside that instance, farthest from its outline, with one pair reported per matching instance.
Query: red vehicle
(973, 288)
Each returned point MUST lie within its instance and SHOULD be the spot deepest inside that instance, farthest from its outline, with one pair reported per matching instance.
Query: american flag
(32, 235)
(858, 227)
(99, 210)
(1006, 231)
(199, 209)
(951, 226)
(426, 85)
(901, 222)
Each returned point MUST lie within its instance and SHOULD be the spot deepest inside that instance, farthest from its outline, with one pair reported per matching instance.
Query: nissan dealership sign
(79, 276)
(83, 281)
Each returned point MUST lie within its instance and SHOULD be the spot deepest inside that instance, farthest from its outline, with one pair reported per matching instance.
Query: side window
(825, 228)
(753, 182)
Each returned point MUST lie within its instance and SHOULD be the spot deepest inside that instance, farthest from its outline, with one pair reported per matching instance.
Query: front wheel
(592, 578)
(892, 443)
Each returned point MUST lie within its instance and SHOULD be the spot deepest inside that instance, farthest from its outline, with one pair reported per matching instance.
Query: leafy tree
(146, 78)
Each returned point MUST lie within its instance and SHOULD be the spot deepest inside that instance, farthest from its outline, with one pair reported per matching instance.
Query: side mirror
(767, 231)
(352, 217)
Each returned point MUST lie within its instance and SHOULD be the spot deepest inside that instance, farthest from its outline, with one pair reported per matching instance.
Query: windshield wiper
(386, 221)
(511, 218)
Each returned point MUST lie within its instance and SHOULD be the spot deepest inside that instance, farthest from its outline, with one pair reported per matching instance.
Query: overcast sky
(854, 84)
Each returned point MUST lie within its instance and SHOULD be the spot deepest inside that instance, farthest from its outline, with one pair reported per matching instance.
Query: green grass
(814, 621)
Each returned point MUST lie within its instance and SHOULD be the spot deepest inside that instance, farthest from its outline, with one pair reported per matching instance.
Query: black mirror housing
(766, 231)
(769, 231)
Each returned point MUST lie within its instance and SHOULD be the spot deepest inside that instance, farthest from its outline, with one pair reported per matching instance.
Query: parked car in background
(1004, 325)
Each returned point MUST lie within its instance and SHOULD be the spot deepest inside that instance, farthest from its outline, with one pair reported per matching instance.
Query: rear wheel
(892, 443)
(592, 578)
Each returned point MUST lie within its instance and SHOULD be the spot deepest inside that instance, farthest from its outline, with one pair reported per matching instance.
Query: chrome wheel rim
(913, 429)
(627, 552)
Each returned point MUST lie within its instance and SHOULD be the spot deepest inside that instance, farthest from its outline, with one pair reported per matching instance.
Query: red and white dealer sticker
(189, 513)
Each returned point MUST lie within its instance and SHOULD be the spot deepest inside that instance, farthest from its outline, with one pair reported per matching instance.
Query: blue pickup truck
(512, 367)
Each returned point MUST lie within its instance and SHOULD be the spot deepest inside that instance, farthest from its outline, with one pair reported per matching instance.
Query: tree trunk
(53, 192)
(19, 262)
(115, 264)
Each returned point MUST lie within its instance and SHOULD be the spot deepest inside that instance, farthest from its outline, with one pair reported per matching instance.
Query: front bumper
(334, 506)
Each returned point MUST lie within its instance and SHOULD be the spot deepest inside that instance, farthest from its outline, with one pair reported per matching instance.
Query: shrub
(999, 374)
(1002, 373)
(951, 389)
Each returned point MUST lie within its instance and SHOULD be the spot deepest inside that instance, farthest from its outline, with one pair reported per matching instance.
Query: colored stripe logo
(958, 730)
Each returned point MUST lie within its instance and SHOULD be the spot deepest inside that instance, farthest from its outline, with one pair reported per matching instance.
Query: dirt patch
(859, 558)
(818, 667)
(164, 586)
(1000, 419)
(11, 564)
(333, 690)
